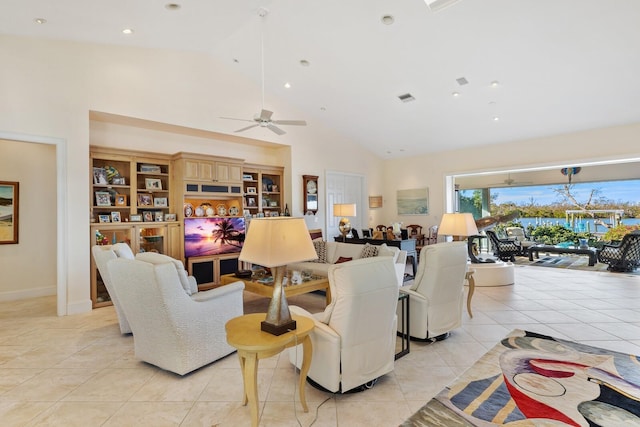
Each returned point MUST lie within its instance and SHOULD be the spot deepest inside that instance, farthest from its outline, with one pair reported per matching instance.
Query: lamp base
(277, 329)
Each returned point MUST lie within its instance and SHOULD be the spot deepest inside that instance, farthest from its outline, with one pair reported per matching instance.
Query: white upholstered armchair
(354, 338)
(102, 254)
(170, 329)
(436, 295)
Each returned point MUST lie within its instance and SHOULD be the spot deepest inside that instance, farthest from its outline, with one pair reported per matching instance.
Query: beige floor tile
(156, 414)
(116, 385)
(49, 385)
(168, 387)
(357, 413)
(19, 414)
(77, 414)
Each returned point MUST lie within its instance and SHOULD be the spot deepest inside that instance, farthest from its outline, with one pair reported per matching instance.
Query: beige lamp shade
(458, 224)
(278, 241)
(344, 209)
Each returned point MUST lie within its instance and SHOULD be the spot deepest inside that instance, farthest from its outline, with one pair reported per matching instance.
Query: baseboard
(27, 293)
(79, 307)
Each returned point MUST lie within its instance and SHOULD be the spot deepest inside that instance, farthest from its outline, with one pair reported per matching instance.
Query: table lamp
(458, 225)
(274, 243)
(344, 210)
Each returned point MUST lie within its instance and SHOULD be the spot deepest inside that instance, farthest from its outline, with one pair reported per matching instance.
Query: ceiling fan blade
(248, 127)
(276, 129)
(233, 118)
(266, 115)
(290, 122)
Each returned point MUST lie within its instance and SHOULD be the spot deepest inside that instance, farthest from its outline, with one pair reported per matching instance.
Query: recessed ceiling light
(495, 83)
(496, 119)
(387, 19)
(235, 60)
(455, 94)
(172, 6)
(287, 85)
(323, 108)
(40, 21)
(127, 31)
(304, 63)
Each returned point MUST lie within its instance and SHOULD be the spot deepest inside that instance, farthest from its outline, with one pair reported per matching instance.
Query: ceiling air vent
(436, 5)
(462, 81)
(407, 97)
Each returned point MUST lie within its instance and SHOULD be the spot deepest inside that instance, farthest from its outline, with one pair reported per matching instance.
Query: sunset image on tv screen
(213, 236)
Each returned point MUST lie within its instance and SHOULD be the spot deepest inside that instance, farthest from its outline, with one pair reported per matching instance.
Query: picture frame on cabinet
(115, 217)
(251, 202)
(159, 216)
(145, 200)
(104, 218)
(121, 199)
(160, 202)
(170, 217)
(100, 176)
(147, 216)
(247, 177)
(103, 198)
(119, 181)
(150, 168)
(252, 190)
(135, 218)
(153, 183)
(274, 188)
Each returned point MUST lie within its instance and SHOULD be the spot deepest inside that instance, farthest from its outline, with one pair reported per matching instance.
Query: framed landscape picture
(8, 212)
(413, 202)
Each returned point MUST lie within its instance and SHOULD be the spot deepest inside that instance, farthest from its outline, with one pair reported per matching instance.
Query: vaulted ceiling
(531, 68)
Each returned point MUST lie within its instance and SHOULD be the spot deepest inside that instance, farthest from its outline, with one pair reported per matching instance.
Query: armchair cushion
(156, 258)
(321, 250)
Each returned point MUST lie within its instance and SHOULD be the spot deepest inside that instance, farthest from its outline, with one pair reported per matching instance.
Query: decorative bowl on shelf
(222, 210)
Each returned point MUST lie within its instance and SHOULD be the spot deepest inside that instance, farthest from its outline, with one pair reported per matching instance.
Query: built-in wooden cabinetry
(131, 200)
(184, 186)
(263, 191)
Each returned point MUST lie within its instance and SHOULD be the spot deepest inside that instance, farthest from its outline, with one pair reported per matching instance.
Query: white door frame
(61, 210)
(359, 197)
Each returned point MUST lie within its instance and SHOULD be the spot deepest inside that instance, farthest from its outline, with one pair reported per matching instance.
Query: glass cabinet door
(105, 235)
(152, 239)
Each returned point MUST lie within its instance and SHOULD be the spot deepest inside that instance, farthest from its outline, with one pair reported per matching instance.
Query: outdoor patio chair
(504, 249)
(624, 256)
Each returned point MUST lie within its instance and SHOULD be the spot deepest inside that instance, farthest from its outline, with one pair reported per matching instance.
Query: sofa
(330, 253)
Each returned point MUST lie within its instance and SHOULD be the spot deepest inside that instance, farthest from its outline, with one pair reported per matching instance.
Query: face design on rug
(541, 378)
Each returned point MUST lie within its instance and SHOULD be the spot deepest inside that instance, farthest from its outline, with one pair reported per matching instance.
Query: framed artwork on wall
(9, 212)
(413, 202)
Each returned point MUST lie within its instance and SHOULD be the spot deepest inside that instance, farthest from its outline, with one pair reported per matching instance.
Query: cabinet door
(191, 170)
(151, 238)
(174, 237)
(105, 235)
(207, 171)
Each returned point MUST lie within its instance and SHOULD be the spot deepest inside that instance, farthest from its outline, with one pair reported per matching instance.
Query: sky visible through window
(616, 191)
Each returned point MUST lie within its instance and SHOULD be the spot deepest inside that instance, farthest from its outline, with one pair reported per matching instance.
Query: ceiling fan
(510, 181)
(264, 118)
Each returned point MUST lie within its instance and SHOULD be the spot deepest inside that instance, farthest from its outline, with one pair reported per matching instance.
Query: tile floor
(79, 370)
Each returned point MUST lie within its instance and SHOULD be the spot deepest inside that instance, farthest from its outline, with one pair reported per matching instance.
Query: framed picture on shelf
(150, 168)
(274, 188)
(160, 202)
(103, 198)
(273, 213)
(119, 181)
(153, 183)
(104, 218)
(135, 218)
(170, 217)
(100, 176)
(145, 200)
(251, 201)
(247, 177)
(159, 216)
(147, 216)
(252, 190)
(121, 200)
(115, 217)
(9, 212)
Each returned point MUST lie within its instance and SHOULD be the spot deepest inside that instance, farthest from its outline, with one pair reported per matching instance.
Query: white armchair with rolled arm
(170, 329)
(437, 293)
(354, 337)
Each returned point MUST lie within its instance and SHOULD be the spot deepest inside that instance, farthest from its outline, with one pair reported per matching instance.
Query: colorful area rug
(535, 380)
(574, 262)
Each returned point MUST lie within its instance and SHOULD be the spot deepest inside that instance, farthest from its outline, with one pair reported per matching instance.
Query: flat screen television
(213, 236)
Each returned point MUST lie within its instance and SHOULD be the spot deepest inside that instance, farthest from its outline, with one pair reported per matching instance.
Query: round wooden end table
(254, 344)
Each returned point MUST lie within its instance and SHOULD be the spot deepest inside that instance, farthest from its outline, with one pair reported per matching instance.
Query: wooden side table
(253, 344)
(472, 288)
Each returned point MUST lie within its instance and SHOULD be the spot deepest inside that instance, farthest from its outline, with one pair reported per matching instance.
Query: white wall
(29, 268)
(49, 88)
(597, 145)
